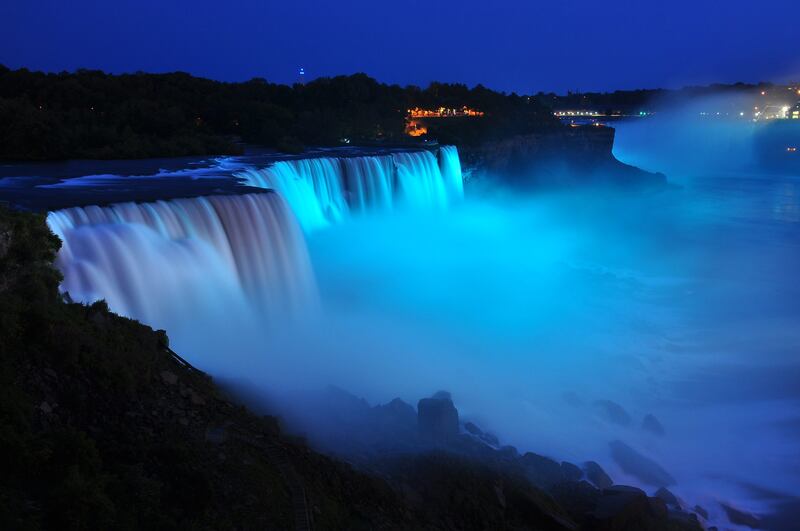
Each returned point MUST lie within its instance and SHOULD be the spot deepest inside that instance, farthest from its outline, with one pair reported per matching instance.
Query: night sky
(524, 46)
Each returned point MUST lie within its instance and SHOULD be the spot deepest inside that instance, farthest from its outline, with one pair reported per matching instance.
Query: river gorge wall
(568, 156)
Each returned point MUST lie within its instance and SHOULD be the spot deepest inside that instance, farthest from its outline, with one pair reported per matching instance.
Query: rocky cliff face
(566, 156)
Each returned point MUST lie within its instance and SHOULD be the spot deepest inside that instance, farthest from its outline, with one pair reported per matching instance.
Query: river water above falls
(532, 311)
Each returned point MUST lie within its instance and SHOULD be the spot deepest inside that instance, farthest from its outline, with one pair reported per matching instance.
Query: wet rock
(668, 497)
(396, 412)
(741, 517)
(578, 497)
(437, 417)
(702, 512)
(570, 471)
(541, 471)
(658, 507)
(490, 438)
(613, 412)
(508, 452)
(643, 468)
(678, 515)
(618, 500)
(651, 423)
(471, 428)
(596, 474)
(629, 508)
(486, 437)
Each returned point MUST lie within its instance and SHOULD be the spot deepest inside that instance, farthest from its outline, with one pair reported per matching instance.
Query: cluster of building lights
(577, 113)
(443, 112)
(595, 114)
(416, 128)
(770, 109)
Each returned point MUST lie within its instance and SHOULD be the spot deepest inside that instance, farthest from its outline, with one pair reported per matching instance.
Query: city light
(443, 112)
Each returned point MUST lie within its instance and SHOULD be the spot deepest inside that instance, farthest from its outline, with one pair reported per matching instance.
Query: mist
(530, 310)
(533, 309)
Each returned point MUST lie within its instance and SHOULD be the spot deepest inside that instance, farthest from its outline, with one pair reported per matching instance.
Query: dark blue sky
(508, 45)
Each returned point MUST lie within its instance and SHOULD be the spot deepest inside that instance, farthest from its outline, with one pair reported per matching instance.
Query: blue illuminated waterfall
(161, 262)
(327, 190)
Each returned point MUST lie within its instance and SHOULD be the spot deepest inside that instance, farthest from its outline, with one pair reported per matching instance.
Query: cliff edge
(567, 156)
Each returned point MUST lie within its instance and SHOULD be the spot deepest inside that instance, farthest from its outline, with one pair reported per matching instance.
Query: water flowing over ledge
(327, 190)
(207, 256)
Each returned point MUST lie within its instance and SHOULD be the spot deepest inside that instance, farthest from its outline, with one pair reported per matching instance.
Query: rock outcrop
(564, 156)
(437, 417)
(641, 467)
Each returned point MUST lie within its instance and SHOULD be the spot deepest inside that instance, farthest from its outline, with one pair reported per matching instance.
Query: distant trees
(90, 114)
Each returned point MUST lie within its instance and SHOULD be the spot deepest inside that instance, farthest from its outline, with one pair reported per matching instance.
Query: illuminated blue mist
(681, 303)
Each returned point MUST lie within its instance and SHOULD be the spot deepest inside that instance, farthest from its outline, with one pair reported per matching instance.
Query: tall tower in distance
(301, 76)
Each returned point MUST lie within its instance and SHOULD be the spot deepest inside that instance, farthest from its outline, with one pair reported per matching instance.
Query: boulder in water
(643, 468)
(669, 498)
(651, 424)
(741, 517)
(613, 412)
(570, 471)
(541, 471)
(596, 474)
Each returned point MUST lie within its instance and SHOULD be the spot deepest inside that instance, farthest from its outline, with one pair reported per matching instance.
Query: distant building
(415, 118)
(794, 112)
(443, 112)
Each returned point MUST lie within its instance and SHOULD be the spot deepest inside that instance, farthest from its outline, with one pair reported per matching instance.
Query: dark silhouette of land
(90, 114)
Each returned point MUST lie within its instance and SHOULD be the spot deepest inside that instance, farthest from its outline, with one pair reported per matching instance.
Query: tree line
(92, 114)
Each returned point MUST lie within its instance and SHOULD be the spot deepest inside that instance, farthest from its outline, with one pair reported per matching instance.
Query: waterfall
(450, 166)
(321, 191)
(168, 263)
(312, 187)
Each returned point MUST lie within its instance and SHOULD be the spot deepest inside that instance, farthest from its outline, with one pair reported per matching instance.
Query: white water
(173, 264)
(328, 190)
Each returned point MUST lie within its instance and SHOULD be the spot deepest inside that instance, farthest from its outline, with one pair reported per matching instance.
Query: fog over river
(680, 303)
